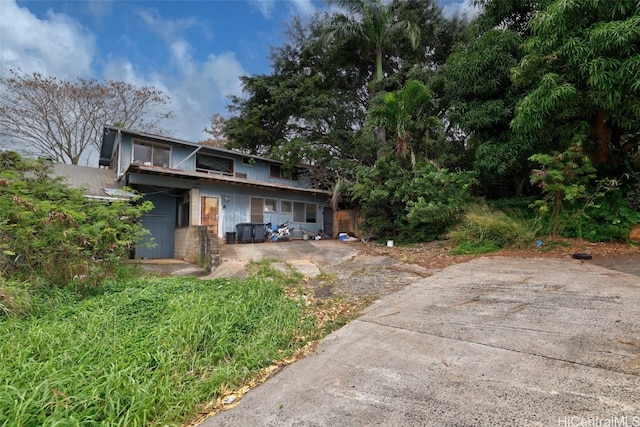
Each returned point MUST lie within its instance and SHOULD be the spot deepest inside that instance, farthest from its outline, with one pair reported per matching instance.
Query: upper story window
(150, 154)
(210, 163)
(276, 171)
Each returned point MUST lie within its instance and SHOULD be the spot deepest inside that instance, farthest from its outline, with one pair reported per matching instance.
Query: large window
(150, 154)
(209, 163)
(304, 212)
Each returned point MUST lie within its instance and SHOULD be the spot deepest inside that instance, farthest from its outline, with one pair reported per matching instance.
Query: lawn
(146, 352)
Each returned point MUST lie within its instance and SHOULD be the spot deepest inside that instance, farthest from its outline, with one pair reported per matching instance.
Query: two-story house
(195, 185)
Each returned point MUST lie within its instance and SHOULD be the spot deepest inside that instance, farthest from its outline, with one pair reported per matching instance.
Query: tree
(370, 25)
(217, 136)
(63, 119)
(309, 109)
(482, 98)
(411, 114)
(581, 67)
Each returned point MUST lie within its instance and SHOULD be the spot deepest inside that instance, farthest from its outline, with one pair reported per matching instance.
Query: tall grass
(147, 354)
(484, 229)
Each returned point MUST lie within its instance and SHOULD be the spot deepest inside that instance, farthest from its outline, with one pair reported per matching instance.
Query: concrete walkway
(492, 342)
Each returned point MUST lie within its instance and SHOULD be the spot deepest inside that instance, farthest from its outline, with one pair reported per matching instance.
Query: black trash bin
(231, 237)
(245, 232)
(258, 233)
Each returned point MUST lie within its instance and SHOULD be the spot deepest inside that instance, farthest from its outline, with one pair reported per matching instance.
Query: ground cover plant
(147, 351)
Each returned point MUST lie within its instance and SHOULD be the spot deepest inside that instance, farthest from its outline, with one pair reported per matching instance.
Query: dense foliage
(524, 82)
(55, 235)
(410, 204)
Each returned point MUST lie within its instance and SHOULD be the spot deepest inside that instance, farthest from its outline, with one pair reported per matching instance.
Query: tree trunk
(602, 133)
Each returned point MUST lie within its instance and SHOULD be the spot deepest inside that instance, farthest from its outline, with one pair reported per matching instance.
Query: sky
(193, 50)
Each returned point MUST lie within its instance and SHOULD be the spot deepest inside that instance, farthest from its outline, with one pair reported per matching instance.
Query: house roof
(109, 142)
(221, 179)
(98, 183)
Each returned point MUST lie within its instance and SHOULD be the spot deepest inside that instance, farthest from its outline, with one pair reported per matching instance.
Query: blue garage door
(160, 222)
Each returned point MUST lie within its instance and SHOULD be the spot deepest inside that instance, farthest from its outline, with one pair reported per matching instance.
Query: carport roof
(221, 179)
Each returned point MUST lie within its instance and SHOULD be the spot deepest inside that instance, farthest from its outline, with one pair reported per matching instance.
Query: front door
(209, 211)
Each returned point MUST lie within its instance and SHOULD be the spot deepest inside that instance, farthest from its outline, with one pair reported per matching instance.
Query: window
(151, 154)
(275, 171)
(208, 163)
(304, 212)
(270, 205)
(285, 206)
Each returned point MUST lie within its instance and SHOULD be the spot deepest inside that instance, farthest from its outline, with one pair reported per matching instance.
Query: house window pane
(304, 212)
(151, 154)
(141, 153)
(285, 206)
(298, 212)
(161, 156)
(269, 205)
(214, 163)
(311, 213)
(275, 171)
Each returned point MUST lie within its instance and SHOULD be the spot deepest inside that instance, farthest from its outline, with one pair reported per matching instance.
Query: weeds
(146, 352)
(486, 230)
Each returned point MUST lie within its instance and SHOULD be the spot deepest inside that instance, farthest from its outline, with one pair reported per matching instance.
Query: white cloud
(56, 45)
(460, 7)
(300, 7)
(197, 88)
(303, 7)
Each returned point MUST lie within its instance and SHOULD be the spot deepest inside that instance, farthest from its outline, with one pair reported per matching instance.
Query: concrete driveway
(492, 342)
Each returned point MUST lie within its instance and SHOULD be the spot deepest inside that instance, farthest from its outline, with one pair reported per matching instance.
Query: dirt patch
(437, 255)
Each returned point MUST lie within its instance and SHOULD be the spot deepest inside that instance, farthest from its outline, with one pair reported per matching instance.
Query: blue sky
(195, 51)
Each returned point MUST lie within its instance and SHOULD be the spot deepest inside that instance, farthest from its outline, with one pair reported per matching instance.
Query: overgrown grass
(147, 352)
(484, 229)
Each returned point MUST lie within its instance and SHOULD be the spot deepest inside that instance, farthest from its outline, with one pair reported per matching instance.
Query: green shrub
(483, 227)
(609, 219)
(410, 204)
(53, 233)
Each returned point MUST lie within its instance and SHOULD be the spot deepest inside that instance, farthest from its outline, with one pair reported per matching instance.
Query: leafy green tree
(54, 234)
(410, 205)
(575, 203)
(482, 98)
(582, 67)
(310, 109)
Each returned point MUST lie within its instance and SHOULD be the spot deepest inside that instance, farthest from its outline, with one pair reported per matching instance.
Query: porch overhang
(216, 178)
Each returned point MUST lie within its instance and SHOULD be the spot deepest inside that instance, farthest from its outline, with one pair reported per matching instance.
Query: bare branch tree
(216, 131)
(64, 119)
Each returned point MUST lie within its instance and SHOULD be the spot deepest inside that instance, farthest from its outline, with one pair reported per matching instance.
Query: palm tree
(410, 112)
(369, 24)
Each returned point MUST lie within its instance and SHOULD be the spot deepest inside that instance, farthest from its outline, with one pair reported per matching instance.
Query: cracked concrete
(491, 342)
